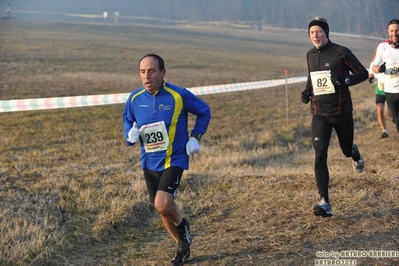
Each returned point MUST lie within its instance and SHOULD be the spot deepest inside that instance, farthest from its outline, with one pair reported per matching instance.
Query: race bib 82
(321, 82)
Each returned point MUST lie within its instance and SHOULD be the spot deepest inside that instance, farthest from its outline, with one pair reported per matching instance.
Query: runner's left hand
(192, 146)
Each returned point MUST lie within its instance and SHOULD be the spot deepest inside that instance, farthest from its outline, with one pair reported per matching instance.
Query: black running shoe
(384, 135)
(184, 237)
(179, 259)
(183, 243)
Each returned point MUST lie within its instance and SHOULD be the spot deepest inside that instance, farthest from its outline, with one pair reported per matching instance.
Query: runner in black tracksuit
(332, 68)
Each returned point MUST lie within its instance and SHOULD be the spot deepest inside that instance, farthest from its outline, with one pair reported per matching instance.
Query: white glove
(192, 146)
(134, 134)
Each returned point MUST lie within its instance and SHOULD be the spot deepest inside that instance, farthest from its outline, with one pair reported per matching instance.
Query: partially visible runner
(377, 79)
(332, 68)
(156, 116)
(386, 61)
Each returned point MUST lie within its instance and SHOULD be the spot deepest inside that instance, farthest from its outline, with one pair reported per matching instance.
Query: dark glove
(340, 80)
(306, 96)
(371, 79)
(382, 68)
(337, 80)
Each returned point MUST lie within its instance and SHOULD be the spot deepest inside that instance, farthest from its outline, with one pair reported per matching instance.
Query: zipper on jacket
(153, 104)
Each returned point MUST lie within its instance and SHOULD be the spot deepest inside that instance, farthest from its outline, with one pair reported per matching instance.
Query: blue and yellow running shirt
(170, 107)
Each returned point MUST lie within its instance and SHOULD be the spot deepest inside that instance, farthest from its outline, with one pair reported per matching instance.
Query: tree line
(363, 17)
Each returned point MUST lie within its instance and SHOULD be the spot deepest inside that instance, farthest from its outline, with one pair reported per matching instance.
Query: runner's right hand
(305, 97)
(134, 134)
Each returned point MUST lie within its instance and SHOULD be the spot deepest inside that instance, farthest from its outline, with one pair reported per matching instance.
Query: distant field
(72, 193)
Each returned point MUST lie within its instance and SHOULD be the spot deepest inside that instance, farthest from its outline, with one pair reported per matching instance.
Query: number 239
(154, 137)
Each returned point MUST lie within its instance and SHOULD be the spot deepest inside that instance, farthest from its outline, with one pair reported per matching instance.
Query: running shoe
(184, 237)
(179, 259)
(183, 243)
(384, 135)
(323, 209)
(359, 165)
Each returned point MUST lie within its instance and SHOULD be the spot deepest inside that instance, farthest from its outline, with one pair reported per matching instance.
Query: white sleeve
(371, 69)
(378, 57)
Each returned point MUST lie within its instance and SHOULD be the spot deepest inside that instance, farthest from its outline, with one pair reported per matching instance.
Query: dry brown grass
(71, 192)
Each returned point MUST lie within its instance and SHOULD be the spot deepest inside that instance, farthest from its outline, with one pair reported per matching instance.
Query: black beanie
(321, 22)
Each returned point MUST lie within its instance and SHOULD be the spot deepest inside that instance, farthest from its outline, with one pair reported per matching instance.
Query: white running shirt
(385, 53)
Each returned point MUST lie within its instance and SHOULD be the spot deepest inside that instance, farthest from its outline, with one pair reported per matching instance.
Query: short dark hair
(394, 21)
(156, 57)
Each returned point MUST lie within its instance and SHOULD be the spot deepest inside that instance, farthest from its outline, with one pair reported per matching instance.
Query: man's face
(317, 36)
(393, 32)
(150, 74)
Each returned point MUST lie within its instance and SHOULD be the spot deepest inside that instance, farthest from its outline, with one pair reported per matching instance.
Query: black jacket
(343, 64)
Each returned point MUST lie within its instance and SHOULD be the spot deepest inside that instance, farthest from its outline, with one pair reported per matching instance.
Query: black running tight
(321, 128)
(393, 105)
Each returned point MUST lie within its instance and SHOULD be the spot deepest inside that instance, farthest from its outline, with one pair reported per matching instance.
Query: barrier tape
(107, 99)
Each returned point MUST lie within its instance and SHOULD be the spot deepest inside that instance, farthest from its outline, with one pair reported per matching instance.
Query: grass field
(72, 193)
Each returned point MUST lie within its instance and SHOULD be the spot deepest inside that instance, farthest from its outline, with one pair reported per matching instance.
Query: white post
(286, 94)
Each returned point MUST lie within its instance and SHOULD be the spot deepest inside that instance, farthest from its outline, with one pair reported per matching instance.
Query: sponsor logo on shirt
(162, 107)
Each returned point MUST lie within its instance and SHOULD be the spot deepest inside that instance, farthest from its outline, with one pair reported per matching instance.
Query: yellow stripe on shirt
(172, 128)
(137, 94)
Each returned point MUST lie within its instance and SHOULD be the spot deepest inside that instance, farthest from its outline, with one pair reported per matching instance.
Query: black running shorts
(379, 99)
(167, 180)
